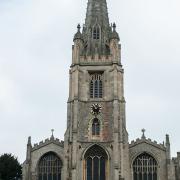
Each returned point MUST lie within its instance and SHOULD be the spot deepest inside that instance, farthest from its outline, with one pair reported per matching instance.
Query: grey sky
(35, 55)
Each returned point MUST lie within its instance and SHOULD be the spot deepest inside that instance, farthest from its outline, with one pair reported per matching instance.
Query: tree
(10, 169)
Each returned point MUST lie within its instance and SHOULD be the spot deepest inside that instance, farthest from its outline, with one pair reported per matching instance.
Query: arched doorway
(49, 167)
(95, 163)
(145, 167)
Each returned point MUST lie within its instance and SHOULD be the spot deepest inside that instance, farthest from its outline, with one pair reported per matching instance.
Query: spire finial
(52, 135)
(78, 27)
(143, 133)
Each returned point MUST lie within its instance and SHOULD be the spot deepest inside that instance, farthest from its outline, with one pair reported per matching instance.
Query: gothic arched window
(95, 127)
(49, 167)
(96, 85)
(144, 168)
(95, 163)
(96, 32)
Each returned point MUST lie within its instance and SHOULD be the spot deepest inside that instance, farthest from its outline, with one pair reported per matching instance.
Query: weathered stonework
(98, 51)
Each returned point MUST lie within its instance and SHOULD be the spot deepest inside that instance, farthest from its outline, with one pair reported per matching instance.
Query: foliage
(10, 168)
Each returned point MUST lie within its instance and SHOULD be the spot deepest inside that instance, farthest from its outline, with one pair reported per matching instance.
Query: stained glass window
(145, 167)
(49, 167)
(96, 159)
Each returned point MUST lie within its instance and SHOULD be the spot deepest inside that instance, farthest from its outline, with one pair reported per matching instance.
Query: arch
(96, 127)
(95, 138)
(96, 32)
(95, 144)
(145, 167)
(96, 85)
(95, 163)
(147, 152)
(49, 167)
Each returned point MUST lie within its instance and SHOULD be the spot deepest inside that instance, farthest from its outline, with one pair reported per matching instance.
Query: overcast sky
(35, 55)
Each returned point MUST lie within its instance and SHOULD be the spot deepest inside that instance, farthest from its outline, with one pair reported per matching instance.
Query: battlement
(48, 141)
(96, 58)
(148, 141)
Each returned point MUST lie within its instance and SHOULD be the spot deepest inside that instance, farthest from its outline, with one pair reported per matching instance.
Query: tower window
(95, 127)
(145, 167)
(96, 163)
(96, 33)
(96, 85)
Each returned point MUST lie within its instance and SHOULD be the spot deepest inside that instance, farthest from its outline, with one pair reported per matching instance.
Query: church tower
(95, 145)
(96, 140)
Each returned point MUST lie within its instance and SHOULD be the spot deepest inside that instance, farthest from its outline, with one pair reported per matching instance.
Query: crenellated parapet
(148, 141)
(48, 141)
(96, 59)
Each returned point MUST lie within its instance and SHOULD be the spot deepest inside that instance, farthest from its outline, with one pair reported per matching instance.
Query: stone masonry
(96, 80)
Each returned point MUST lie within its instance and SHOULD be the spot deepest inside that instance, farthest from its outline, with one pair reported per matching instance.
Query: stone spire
(97, 13)
(96, 30)
(98, 39)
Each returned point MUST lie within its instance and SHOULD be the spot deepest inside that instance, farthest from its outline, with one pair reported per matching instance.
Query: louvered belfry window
(145, 168)
(96, 162)
(96, 85)
(49, 167)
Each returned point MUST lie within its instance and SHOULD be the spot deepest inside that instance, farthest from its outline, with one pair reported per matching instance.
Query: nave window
(49, 167)
(145, 168)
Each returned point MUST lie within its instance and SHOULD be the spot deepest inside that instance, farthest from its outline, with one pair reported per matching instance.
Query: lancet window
(145, 168)
(96, 89)
(49, 167)
(96, 127)
(96, 32)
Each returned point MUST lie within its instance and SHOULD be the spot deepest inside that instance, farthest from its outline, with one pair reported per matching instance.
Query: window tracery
(49, 167)
(145, 168)
(96, 85)
(96, 162)
(96, 32)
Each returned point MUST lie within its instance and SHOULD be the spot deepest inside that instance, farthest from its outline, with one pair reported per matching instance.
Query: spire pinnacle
(29, 140)
(167, 139)
(96, 32)
(114, 26)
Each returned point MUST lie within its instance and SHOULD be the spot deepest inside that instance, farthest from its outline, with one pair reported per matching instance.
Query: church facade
(95, 145)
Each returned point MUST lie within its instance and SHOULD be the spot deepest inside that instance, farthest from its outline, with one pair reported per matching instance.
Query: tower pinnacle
(97, 32)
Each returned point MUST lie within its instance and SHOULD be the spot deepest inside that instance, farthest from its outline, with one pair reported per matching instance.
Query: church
(96, 145)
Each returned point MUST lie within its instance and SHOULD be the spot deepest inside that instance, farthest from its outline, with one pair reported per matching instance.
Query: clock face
(96, 109)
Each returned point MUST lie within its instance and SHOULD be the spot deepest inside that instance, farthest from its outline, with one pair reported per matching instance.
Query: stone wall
(157, 151)
(177, 166)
